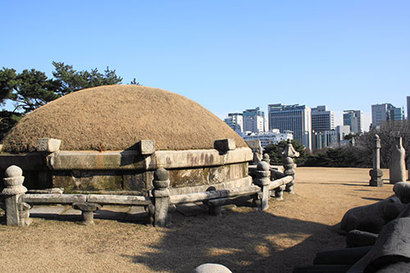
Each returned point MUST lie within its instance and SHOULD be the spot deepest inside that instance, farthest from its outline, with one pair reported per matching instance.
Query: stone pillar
(161, 197)
(279, 192)
(87, 211)
(17, 213)
(376, 173)
(266, 158)
(262, 180)
(290, 167)
(257, 154)
(397, 164)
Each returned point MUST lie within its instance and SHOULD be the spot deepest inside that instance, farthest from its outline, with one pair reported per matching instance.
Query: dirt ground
(288, 234)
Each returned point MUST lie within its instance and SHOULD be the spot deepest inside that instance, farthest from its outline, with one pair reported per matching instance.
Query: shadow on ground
(244, 241)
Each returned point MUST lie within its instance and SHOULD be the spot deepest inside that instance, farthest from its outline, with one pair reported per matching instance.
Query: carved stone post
(397, 164)
(87, 211)
(161, 197)
(17, 213)
(262, 180)
(290, 167)
(376, 173)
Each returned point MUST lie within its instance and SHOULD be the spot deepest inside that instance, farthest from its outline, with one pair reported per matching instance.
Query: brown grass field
(288, 234)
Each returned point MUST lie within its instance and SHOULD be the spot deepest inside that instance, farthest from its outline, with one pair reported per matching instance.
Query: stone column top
(14, 181)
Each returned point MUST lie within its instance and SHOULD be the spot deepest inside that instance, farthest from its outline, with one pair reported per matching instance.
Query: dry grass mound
(116, 117)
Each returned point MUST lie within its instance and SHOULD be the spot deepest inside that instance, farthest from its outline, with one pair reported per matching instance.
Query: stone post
(397, 164)
(17, 213)
(161, 197)
(376, 173)
(290, 167)
(279, 192)
(47, 147)
(87, 211)
(262, 180)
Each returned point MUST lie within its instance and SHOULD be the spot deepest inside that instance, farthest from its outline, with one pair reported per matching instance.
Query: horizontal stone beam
(118, 199)
(89, 198)
(90, 160)
(208, 195)
(131, 160)
(53, 198)
(279, 182)
(198, 158)
(231, 184)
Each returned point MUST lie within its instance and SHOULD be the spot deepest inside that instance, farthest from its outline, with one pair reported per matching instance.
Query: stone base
(376, 178)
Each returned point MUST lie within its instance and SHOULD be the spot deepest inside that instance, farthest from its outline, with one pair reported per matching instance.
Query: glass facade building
(295, 118)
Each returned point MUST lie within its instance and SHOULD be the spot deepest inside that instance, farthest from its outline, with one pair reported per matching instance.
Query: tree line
(31, 88)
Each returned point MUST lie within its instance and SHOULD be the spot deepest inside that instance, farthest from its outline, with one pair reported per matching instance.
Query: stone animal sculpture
(402, 191)
(391, 252)
(372, 218)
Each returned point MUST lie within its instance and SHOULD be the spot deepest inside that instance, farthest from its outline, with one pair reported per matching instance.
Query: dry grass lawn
(288, 234)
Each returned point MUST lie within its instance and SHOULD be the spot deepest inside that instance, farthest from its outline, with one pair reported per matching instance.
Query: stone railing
(17, 202)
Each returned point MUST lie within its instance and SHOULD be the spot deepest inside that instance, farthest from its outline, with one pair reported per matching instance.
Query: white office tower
(296, 118)
(253, 120)
(235, 121)
(353, 119)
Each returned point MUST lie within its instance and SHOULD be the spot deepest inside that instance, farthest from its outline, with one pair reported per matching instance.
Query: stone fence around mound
(267, 181)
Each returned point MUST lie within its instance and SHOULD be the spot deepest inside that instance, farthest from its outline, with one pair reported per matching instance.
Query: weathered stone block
(87, 180)
(225, 145)
(146, 147)
(49, 145)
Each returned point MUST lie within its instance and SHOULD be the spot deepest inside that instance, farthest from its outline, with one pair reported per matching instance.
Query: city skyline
(225, 55)
(338, 115)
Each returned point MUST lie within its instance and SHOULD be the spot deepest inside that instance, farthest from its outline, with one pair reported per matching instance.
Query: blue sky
(225, 55)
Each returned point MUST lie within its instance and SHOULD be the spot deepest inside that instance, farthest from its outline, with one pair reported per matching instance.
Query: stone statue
(397, 164)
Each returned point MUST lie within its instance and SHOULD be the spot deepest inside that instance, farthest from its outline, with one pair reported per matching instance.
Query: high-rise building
(408, 107)
(396, 113)
(253, 120)
(353, 119)
(322, 119)
(296, 118)
(383, 112)
(235, 121)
